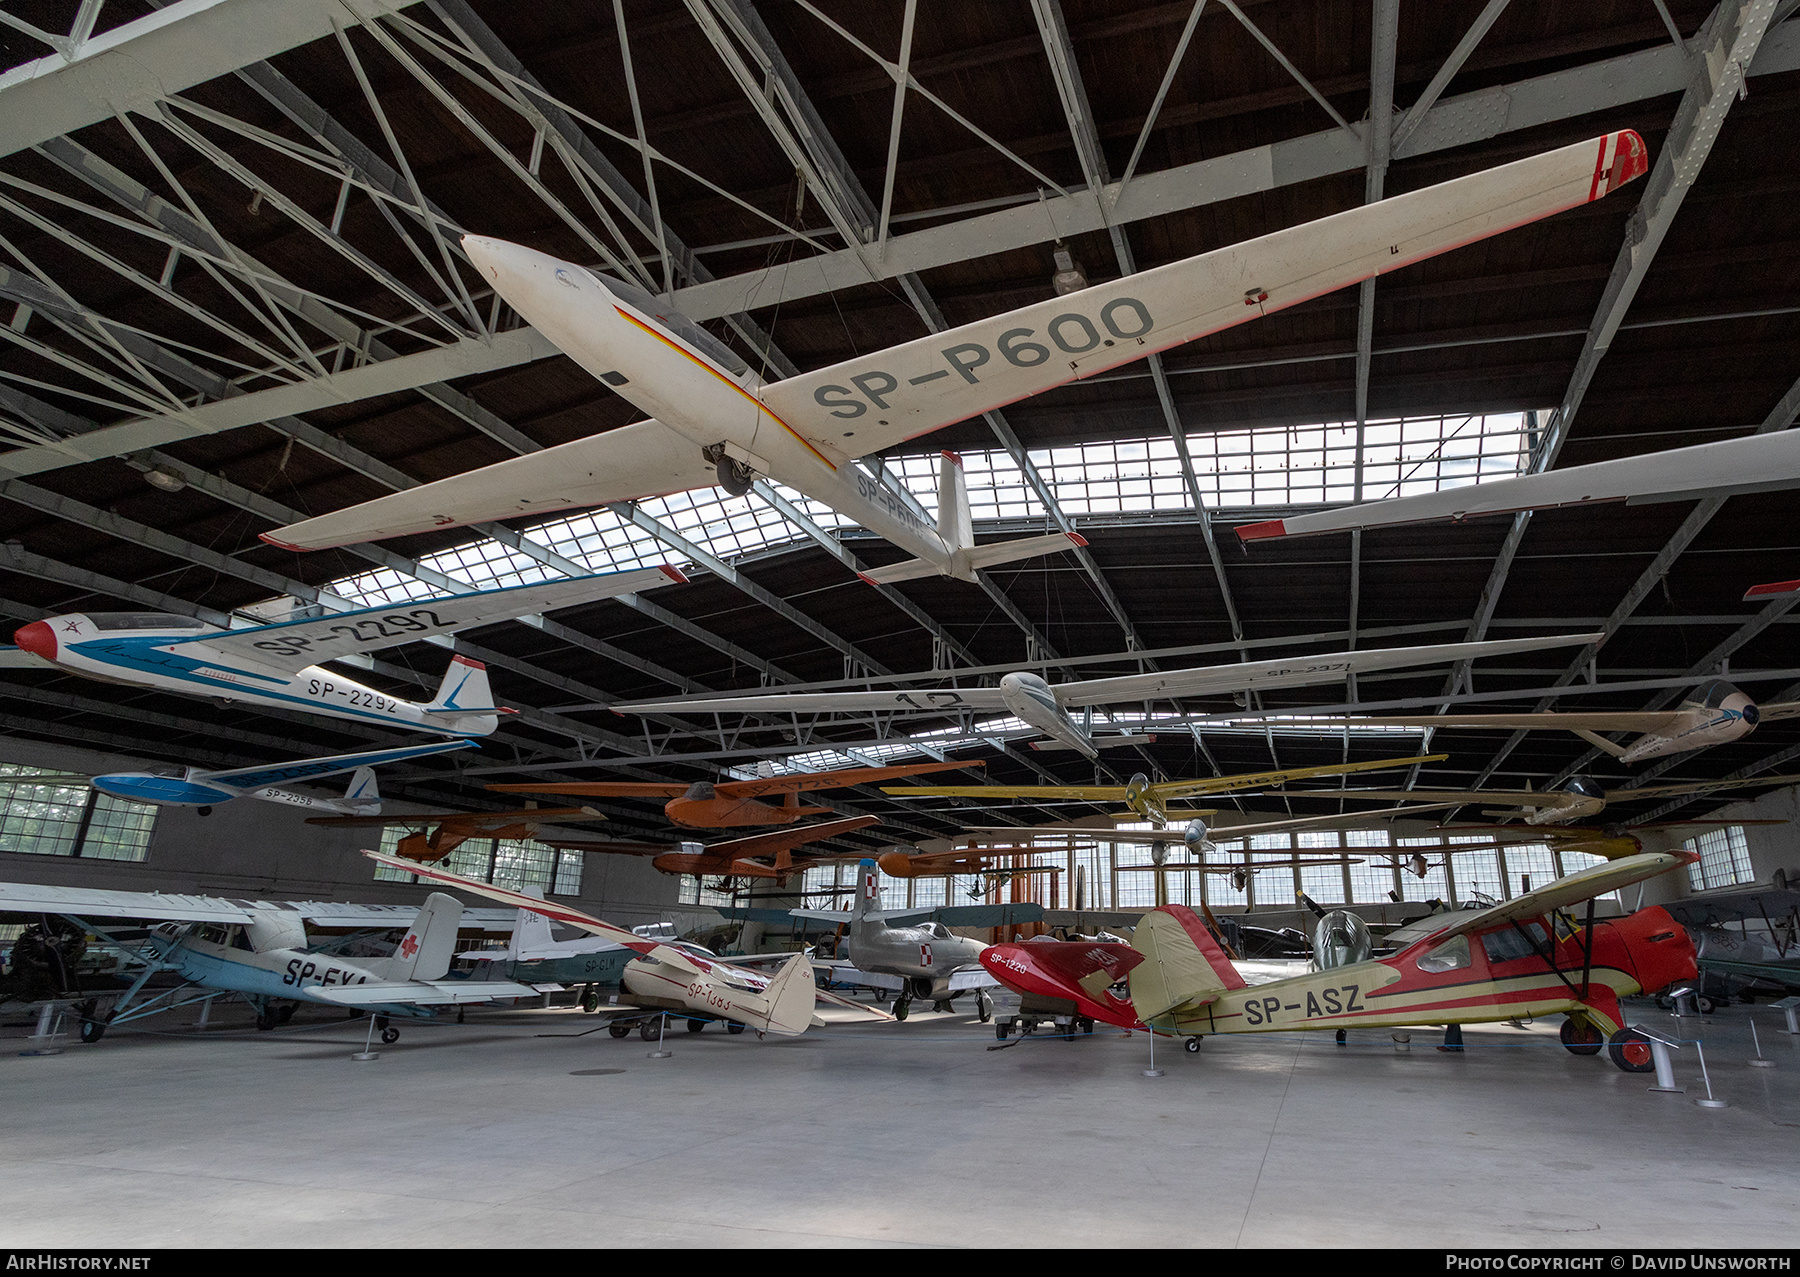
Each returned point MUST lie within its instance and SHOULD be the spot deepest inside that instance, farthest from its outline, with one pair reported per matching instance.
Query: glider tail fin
(956, 526)
(1182, 963)
(363, 795)
(464, 703)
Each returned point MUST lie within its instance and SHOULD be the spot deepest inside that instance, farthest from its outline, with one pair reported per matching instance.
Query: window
(1508, 945)
(1529, 867)
(1452, 955)
(1724, 859)
(1371, 880)
(503, 862)
(57, 818)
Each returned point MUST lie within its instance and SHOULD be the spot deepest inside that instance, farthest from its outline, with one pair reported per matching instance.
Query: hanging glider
(1715, 713)
(1576, 798)
(729, 804)
(197, 787)
(715, 421)
(280, 666)
(1046, 706)
(1148, 799)
(436, 834)
(1755, 463)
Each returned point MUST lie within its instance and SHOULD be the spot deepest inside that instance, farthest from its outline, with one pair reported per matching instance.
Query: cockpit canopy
(677, 323)
(936, 929)
(143, 621)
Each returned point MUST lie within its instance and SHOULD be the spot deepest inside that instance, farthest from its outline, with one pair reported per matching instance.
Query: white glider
(1755, 463)
(716, 421)
(1045, 705)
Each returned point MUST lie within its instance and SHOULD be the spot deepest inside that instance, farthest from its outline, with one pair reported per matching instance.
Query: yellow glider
(1150, 800)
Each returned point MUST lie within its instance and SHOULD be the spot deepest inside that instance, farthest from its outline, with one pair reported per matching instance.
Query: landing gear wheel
(286, 1013)
(650, 1030)
(984, 1007)
(590, 1001)
(1630, 1050)
(267, 1018)
(1087, 1025)
(390, 1036)
(1191, 1046)
(695, 1024)
(1580, 1037)
(619, 1028)
(1000, 1030)
(92, 1030)
(734, 1026)
(1704, 1005)
(203, 811)
(734, 476)
(901, 1007)
(1342, 1038)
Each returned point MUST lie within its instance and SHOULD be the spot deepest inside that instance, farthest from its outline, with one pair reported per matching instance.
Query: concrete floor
(488, 1134)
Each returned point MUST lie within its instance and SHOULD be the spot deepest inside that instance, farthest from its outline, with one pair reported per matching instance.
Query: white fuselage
(140, 657)
(684, 980)
(1700, 726)
(650, 365)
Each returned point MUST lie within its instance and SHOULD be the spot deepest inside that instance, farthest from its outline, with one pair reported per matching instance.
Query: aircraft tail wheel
(1000, 1030)
(286, 1013)
(619, 1028)
(1630, 1050)
(695, 1024)
(1704, 1005)
(1191, 1046)
(390, 1036)
(984, 1007)
(1087, 1025)
(734, 1026)
(901, 1008)
(92, 1030)
(650, 1029)
(267, 1018)
(1580, 1037)
(1341, 1037)
(203, 811)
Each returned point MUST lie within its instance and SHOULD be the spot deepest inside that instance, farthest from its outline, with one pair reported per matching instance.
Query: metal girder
(1782, 416)
(139, 62)
(1728, 44)
(1053, 31)
(15, 558)
(1723, 51)
(1453, 122)
(1743, 773)
(1383, 38)
(1450, 122)
(1416, 113)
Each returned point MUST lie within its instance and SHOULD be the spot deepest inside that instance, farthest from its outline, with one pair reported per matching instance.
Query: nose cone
(505, 263)
(38, 639)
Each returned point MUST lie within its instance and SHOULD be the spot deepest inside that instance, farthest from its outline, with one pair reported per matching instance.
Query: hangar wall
(249, 848)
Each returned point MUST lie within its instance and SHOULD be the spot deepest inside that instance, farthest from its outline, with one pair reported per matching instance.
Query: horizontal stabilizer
(1098, 742)
(420, 992)
(963, 564)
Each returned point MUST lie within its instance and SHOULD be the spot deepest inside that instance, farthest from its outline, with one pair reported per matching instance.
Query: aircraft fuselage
(140, 656)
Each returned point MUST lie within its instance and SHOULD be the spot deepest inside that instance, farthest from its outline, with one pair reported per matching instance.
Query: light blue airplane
(197, 787)
(278, 666)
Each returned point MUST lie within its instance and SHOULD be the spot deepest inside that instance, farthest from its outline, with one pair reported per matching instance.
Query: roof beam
(1452, 122)
(139, 62)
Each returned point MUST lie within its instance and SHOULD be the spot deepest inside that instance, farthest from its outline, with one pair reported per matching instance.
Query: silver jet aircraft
(925, 961)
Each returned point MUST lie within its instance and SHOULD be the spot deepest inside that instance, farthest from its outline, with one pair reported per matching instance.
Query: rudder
(1182, 962)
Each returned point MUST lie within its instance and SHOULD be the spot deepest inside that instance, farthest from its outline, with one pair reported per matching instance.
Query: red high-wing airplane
(727, 804)
(1524, 958)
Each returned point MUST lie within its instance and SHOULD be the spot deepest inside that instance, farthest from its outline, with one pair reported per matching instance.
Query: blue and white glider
(197, 787)
(279, 666)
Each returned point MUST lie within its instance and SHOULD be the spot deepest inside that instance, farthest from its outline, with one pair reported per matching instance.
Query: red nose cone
(38, 639)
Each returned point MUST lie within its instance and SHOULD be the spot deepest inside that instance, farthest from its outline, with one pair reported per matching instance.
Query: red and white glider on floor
(716, 421)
